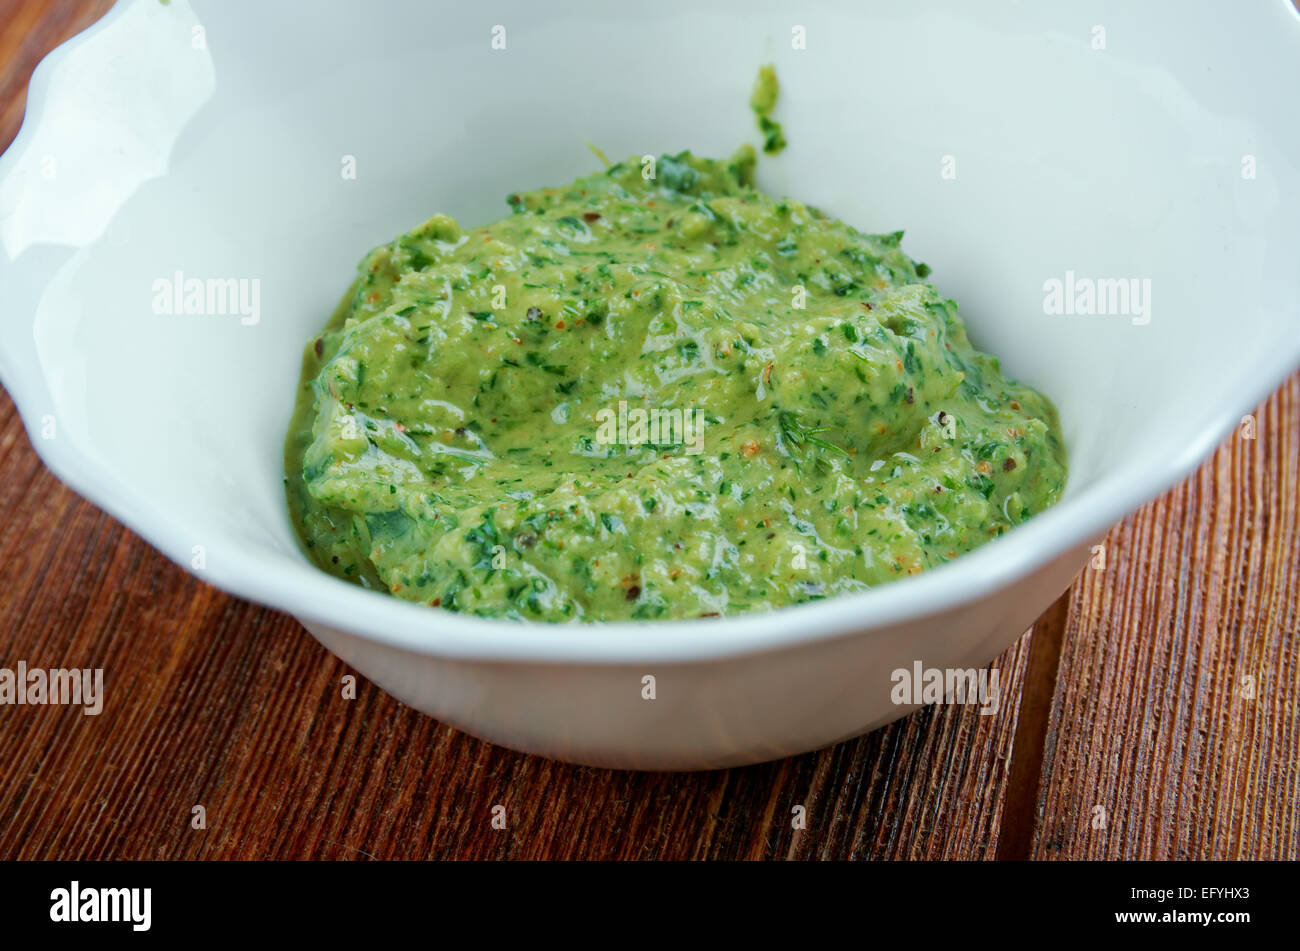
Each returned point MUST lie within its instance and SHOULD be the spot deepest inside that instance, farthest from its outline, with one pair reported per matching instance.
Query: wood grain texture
(216, 702)
(1176, 703)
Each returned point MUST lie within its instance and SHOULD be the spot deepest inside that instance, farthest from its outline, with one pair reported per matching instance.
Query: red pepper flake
(590, 216)
(559, 325)
(634, 592)
(436, 602)
(1008, 465)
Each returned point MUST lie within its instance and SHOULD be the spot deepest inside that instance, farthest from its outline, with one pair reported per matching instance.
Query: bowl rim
(313, 596)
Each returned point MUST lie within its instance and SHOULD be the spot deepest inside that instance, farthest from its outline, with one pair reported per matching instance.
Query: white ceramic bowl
(1153, 141)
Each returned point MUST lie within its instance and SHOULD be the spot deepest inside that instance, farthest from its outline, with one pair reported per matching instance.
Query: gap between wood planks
(1020, 805)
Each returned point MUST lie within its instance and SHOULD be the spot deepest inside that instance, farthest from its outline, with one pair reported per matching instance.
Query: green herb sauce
(447, 443)
(763, 101)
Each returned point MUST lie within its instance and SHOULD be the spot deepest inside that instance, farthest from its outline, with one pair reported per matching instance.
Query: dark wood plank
(1019, 818)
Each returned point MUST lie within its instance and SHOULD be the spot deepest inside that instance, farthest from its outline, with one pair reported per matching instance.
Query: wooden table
(1151, 713)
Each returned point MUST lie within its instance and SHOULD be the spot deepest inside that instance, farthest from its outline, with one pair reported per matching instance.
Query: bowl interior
(1013, 151)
